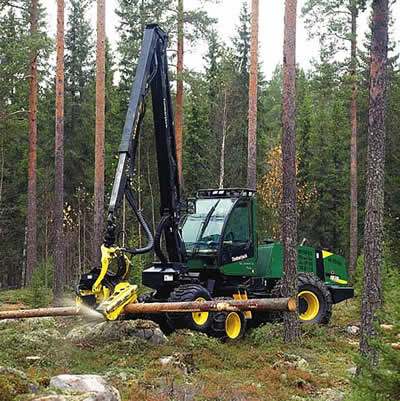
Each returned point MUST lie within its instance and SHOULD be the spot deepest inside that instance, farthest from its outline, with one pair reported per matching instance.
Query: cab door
(237, 250)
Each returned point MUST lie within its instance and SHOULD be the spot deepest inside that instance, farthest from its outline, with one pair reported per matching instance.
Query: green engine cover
(329, 267)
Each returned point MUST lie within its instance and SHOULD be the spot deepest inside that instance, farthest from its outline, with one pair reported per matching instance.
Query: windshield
(202, 230)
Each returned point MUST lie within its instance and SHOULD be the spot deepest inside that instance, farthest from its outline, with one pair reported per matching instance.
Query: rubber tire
(311, 283)
(217, 328)
(188, 293)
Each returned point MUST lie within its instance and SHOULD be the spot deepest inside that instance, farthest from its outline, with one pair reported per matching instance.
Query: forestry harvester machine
(213, 252)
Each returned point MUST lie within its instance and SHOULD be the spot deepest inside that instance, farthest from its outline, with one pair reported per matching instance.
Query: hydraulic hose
(143, 224)
(157, 239)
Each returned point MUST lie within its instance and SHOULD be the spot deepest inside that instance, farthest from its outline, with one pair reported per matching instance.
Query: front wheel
(199, 321)
(228, 326)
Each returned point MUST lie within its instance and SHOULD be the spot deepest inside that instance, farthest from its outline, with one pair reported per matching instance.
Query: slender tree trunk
(373, 229)
(32, 213)
(2, 168)
(46, 250)
(353, 147)
(222, 160)
(252, 137)
(59, 278)
(99, 152)
(179, 91)
(23, 271)
(289, 220)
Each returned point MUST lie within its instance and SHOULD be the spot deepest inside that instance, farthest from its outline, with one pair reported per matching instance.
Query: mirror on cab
(191, 206)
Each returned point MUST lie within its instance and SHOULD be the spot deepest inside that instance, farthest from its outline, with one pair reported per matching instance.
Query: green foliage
(16, 46)
(40, 292)
(382, 382)
(11, 386)
(268, 334)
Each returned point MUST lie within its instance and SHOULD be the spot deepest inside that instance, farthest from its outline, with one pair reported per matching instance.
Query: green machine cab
(225, 259)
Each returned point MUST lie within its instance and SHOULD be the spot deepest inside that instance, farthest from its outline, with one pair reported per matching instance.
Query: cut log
(263, 304)
(41, 312)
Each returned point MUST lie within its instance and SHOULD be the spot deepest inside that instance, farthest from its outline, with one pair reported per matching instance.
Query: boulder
(116, 331)
(352, 371)
(291, 361)
(352, 330)
(93, 387)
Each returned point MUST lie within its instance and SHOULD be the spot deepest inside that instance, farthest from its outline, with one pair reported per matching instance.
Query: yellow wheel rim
(312, 303)
(233, 325)
(200, 318)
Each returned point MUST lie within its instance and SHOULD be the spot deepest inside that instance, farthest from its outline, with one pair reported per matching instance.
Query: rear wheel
(199, 321)
(228, 326)
(315, 300)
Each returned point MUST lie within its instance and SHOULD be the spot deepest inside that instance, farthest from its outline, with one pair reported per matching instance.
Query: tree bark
(252, 135)
(353, 147)
(99, 146)
(32, 163)
(289, 220)
(373, 228)
(59, 159)
(262, 304)
(179, 91)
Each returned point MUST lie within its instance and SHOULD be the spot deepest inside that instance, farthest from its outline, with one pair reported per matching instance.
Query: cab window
(238, 234)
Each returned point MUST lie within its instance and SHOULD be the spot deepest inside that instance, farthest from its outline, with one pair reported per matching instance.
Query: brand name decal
(241, 257)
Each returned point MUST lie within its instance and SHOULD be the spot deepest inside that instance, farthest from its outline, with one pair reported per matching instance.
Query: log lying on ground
(262, 304)
(41, 312)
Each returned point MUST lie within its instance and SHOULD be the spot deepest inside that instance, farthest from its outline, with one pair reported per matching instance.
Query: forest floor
(259, 367)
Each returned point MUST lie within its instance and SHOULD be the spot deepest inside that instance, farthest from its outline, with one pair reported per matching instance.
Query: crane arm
(151, 74)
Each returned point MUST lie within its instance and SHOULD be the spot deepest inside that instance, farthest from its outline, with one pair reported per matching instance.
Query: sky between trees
(227, 13)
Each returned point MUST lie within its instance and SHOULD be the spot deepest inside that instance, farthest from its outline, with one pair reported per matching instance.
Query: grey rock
(50, 398)
(334, 395)
(352, 330)
(95, 388)
(117, 330)
(352, 370)
(291, 361)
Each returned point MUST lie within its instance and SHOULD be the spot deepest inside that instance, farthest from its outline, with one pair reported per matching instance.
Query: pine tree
(339, 30)
(100, 126)
(32, 152)
(373, 230)
(289, 220)
(236, 173)
(252, 117)
(79, 77)
(179, 89)
(59, 277)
